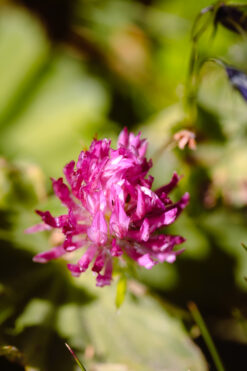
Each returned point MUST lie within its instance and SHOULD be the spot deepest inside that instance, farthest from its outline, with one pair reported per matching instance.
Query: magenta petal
(54, 253)
(116, 249)
(142, 234)
(170, 186)
(140, 208)
(87, 257)
(112, 209)
(119, 221)
(163, 242)
(62, 192)
(69, 171)
(38, 228)
(74, 269)
(184, 201)
(168, 217)
(131, 251)
(123, 138)
(143, 148)
(169, 257)
(106, 278)
(181, 204)
(99, 262)
(146, 261)
(98, 230)
(47, 218)
(57, 222)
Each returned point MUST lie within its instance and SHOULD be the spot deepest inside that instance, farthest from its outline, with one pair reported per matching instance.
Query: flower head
(112, 211)
(185, 137)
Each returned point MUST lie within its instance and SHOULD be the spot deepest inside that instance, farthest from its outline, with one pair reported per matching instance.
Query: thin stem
(167, 146)
(75, 358)
(206, 335)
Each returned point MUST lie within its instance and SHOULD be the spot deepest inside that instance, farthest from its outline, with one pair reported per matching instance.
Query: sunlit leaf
(121, 291)
(158, 341)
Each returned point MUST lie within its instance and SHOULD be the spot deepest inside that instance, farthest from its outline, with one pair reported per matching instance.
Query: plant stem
(206, 336)
(75, 358)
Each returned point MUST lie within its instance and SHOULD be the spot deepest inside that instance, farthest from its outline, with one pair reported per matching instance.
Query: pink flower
(112, 211)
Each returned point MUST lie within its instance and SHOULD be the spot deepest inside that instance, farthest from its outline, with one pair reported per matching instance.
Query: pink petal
(170, 186)
(62, 192)
(98, 230)
(142, 234)
(119, 221)
(53, 253)
(74, 269)
(169, 257)
(106, 278)
(123, 138)
(140, 208)
(87, 257)
(99, 262)
(38, 228)
(162, 242)
(146, 261)
(116, 249)
(57, 222)
(168, 217)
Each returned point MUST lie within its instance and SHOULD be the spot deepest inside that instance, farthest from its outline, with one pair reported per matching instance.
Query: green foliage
(122, 63)
(121, 291)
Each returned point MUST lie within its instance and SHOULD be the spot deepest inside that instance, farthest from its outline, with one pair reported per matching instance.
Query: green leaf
(50, 308)
(141, 335)
(121, 291)
(75, 357)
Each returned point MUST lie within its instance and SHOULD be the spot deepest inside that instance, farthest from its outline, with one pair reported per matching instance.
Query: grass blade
(75, 358)
(206, 336)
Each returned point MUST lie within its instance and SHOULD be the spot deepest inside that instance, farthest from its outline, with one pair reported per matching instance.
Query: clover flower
(185, 137)
(112, 211)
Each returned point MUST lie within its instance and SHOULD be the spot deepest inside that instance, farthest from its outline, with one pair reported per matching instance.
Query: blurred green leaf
(121, 291)
(157, 342)
(124, 62)
(48, 307)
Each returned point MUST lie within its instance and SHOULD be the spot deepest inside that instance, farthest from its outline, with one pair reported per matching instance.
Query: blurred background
(70, 70)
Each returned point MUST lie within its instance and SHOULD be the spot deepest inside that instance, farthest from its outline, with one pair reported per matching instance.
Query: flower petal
(57, 222)
(170, 186)
(62, 192)
(167, 218)
(146, 261)
(119, 221)
(116, 249)
(53, 253)
(106, 278)
(97, 232)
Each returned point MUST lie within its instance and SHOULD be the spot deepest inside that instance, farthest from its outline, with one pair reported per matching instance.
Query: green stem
(206, 336)
(75, 358)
